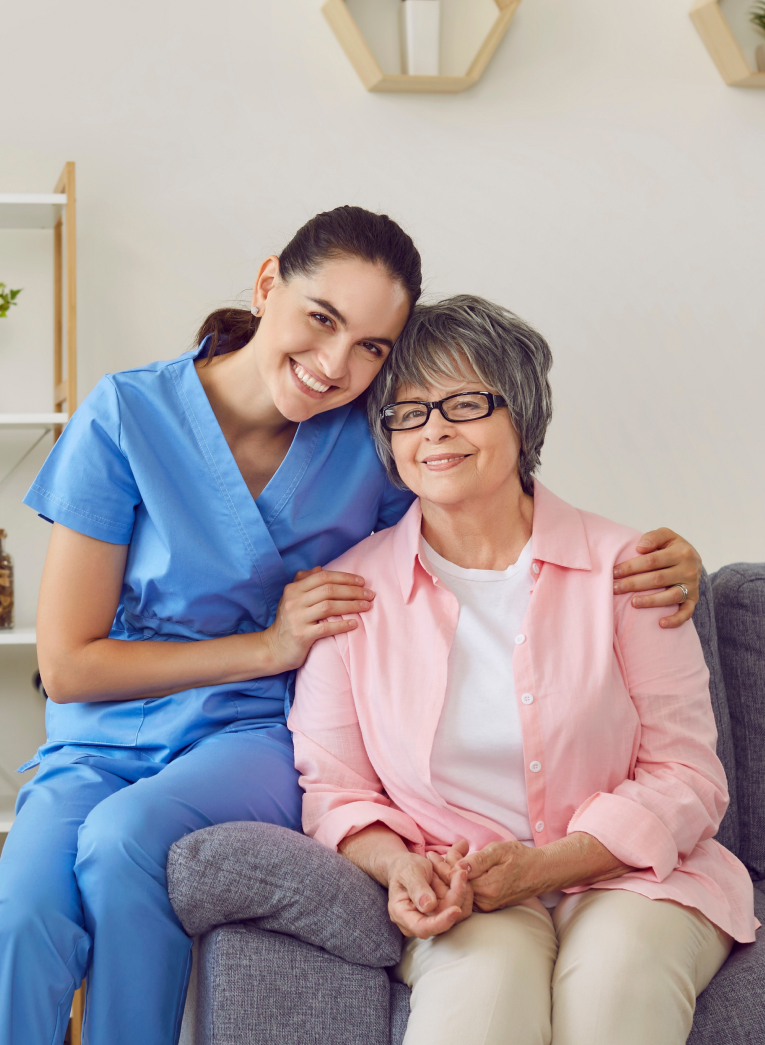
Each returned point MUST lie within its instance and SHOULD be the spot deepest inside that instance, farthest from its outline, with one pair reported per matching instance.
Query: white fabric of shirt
(477, 760)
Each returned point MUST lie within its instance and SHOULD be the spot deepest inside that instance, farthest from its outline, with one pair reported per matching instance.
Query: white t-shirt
(477, 761)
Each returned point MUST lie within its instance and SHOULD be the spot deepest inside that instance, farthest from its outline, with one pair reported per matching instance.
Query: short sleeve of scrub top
(144, 462)
(88, 485)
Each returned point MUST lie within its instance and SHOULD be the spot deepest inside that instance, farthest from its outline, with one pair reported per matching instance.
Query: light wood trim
(401, 84)
(492, 41)
(374, 79)
(71, 290)
(353, 43)
(78, 1013)
(722, 45)
(58, 311)
(65, 262)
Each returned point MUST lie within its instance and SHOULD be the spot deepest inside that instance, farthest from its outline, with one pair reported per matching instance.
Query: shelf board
(18, 637)
(722, 45)
(31, 210)
(32, 420)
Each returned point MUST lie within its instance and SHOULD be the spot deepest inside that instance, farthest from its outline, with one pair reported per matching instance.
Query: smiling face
(451, 464)
(323, 337)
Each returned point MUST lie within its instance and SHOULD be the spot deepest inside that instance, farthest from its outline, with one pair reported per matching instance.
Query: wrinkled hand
(666, 559)
(503, 874)
(420, 903)
(303, 608)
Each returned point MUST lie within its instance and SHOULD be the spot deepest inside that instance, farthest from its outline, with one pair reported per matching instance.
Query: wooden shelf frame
(362, 59)
(722, 45)
(65, 260)
(57, 211)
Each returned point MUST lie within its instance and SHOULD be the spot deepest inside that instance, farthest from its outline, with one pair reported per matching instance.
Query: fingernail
(359, 580)
(638, 602)
(617, 589)
(353, 624)
(368, 594)
(618, 571)
(423, 903)
(364, 605)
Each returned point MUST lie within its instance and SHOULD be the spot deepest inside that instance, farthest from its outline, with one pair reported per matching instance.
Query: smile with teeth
(434, 462)
(306, 378)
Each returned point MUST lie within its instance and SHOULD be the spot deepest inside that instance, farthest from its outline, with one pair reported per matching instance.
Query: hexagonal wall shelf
(722, 45)
(374, 79)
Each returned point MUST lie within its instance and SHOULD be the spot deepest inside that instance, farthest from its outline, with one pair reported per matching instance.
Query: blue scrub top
(144, 462)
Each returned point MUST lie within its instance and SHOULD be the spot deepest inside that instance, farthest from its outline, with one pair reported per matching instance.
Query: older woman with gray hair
(520, 756)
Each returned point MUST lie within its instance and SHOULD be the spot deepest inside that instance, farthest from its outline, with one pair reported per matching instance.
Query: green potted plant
(7, 298)
(757, 18)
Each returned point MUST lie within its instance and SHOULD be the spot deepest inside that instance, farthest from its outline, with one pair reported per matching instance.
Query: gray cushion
(739, 595)
(704, 619)
(262, 988)
(399, 1011)
(731, 1011)
(284, 882)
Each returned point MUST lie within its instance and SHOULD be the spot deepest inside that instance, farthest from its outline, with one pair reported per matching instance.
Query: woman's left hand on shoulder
(666, 560)
(501, 874)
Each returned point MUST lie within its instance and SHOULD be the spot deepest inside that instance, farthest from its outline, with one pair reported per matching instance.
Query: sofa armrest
(283, 882)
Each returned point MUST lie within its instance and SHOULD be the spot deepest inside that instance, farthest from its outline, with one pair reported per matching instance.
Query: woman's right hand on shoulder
(305, 605)
(420, 903)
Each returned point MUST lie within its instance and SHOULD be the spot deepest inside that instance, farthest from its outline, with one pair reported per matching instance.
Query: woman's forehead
(436, 386)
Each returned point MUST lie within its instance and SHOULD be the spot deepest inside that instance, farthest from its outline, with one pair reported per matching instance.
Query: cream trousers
(610, 967)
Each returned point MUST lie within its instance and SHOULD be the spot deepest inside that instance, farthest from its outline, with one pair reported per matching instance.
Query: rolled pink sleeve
(343, 794)
(677, 794)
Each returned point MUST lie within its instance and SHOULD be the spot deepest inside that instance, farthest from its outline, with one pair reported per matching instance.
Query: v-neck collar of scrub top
(252, 517)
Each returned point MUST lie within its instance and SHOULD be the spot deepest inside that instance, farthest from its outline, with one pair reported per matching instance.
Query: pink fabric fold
(619, 736)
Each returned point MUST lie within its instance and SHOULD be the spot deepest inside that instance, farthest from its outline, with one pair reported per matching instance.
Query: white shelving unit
(54, 211)
(18, 637)
(32, 420)
(31, 210)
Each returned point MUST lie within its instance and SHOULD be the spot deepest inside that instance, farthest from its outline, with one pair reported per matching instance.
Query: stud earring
(255, 310)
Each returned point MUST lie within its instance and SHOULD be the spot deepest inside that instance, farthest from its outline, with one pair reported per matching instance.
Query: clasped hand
(428, 895)
(501, 874)
(424, 901)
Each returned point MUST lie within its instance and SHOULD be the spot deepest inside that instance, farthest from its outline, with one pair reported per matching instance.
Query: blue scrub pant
(83, 887)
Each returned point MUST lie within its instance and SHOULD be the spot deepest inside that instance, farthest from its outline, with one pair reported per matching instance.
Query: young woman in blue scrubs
(184, 496)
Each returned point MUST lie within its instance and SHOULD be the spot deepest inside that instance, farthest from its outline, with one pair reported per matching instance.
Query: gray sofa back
(739, 602)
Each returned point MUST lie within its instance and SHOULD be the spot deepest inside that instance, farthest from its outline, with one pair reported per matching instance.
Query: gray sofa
(294, 944)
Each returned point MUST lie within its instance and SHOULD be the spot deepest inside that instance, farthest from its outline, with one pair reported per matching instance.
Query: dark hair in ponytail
(345, 232)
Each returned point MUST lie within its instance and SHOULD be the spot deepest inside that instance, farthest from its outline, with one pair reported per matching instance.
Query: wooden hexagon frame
(722, 45)
(371, 75)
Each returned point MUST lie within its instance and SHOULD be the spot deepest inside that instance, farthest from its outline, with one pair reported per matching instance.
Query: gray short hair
(467, 334)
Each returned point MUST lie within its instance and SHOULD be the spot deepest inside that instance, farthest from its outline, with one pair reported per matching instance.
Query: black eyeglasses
(465, 406)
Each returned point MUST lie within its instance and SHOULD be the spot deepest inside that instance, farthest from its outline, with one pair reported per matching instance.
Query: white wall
(601, 180)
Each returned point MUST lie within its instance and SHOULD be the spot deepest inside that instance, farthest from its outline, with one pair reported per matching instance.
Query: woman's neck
(258, 436)
(485, 534)
(240, 398)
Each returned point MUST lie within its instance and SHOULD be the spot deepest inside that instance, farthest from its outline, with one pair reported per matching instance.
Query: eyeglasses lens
(466, 408)
(401, 416)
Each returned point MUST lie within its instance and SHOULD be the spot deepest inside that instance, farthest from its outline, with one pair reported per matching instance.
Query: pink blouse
(618, 731)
